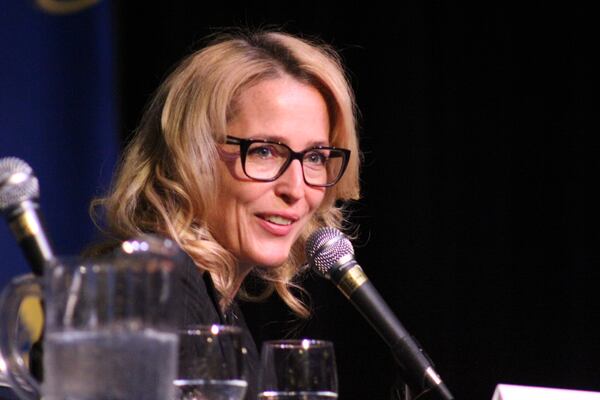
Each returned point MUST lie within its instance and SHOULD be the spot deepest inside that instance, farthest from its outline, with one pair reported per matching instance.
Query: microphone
(331, 255)
(19, 193)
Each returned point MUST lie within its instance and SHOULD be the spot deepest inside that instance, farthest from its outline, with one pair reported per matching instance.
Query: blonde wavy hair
(167, 178)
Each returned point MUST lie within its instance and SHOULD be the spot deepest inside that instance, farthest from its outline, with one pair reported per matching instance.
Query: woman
(247, 148)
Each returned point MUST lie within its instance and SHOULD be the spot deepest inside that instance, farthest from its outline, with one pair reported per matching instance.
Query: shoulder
(194, 299)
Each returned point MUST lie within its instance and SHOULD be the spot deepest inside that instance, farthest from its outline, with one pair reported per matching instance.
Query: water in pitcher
(125, 365)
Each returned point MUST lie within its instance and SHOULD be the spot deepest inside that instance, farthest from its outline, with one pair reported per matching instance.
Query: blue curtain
(58, 113)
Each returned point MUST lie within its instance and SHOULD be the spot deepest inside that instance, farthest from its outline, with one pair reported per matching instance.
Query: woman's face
(260, 221)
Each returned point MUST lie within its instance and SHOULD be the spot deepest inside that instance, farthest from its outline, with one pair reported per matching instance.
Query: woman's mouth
(277, 219)
(277, 225)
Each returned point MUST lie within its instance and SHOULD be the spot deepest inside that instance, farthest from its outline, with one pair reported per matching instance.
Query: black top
(197, 302)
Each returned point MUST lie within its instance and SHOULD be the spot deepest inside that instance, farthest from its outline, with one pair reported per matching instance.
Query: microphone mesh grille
(325, 247)
(17, 182)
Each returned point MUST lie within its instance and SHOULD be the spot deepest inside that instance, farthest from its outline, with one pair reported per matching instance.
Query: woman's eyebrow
(282, 139)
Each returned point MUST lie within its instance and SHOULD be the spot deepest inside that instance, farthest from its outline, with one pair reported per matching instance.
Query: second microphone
(331, 254)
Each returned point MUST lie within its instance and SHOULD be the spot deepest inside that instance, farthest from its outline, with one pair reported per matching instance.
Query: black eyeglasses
(266, 160)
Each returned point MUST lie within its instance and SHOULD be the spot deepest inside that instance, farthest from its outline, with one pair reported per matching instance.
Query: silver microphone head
(17, 183)
(325, 247)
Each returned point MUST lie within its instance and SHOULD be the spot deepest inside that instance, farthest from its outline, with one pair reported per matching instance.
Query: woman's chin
(266, 253)
(270, 261)
(272, 264)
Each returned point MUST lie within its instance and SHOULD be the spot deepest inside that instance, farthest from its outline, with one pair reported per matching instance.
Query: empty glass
(298, 370)
(211, 363)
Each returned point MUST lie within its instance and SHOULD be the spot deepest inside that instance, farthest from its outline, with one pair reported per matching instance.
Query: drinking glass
(298, 370)
(211, 363)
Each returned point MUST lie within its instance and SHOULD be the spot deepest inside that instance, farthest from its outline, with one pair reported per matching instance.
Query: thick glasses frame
(293, 155)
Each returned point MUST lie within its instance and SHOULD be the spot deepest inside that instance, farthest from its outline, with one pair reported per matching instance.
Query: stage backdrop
(57, 112)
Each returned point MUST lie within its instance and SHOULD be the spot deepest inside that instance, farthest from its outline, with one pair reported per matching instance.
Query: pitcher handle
(21, 380)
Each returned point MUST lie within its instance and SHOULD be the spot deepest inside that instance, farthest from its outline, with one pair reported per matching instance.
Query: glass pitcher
(110, 328)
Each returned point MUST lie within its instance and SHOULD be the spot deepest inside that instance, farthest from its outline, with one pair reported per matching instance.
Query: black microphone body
(333, 257)
(27, 226)
(366, 299)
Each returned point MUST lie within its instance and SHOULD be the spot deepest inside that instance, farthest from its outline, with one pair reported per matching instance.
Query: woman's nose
(291, 184)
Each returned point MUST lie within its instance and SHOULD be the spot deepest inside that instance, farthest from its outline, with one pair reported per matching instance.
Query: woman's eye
(315, 158)
(262, 151)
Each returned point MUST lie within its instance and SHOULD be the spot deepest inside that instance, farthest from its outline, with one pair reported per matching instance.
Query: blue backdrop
(58, 113)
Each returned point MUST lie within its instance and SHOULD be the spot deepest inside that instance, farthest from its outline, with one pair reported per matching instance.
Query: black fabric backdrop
(478, 222)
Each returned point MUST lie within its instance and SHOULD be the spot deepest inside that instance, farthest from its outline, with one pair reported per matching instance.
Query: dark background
(478, 222)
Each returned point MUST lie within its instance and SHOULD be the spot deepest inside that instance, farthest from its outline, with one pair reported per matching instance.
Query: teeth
(278, 220)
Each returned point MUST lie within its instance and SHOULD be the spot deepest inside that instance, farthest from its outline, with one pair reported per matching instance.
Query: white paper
(517, 392)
